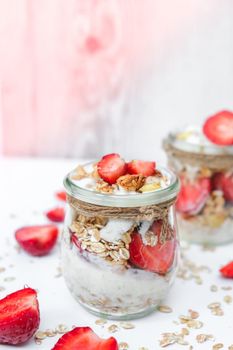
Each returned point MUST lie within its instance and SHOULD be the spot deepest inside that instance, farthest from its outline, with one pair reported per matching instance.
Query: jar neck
(124, 200)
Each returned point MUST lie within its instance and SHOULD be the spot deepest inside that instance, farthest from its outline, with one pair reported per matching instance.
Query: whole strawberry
(19, 316)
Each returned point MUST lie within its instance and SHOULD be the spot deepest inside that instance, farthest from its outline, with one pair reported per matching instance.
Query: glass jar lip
(124, 200)
(208, 149)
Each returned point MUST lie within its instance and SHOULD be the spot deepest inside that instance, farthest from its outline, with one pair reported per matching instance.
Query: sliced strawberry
(227, 270)
(224, 182)
(141, 167)
(111, 167)
(219, 128)
(19, 316)
(37, 240)
(56, 214)
(76, 241)
(61, 195)
(156, 259)
(193, 195)
(83, 338)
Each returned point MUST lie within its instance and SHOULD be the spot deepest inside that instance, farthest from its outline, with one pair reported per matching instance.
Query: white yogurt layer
(194, 135)
(192, 138)
(90, 183)
(124, 290)
(114, 228)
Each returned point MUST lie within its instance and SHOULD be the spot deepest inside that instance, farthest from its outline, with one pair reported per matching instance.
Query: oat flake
(165, 309)
(202, 338)
(217, 346)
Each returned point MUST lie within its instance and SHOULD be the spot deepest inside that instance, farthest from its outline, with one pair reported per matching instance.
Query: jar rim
(208, 149)
(124, 200)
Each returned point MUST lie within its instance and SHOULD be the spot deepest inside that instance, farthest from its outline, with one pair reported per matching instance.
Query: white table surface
(27, 188)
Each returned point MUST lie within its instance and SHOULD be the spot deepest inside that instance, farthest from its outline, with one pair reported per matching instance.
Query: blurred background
(81, 78)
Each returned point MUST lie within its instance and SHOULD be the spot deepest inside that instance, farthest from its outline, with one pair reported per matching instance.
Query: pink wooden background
(79, 77)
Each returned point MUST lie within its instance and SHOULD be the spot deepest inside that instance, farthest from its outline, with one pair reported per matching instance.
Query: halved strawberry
(193, 195)
(61, 195)
(56, 214)
(19, 316)
(224, 182)
(219, 128)
(227, 270)
(111, 167)
(156, 259)
(141, 167)
(37, 240)
(83, 338)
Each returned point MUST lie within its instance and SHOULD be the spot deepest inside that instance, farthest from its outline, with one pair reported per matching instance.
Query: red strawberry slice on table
(19, 316)
(37, 240)
(219, 128)
(141, 167)
(224, 182)
(61, 195)
(227, 270)
(111, 167)
(83, 338)
(156, 259)
(193, 195)
(56, 214)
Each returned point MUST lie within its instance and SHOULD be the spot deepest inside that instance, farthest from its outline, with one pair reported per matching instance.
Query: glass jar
(205, 202)
(127, 276)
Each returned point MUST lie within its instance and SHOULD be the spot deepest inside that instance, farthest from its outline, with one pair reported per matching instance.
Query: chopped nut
(104, 187)
(131, 182)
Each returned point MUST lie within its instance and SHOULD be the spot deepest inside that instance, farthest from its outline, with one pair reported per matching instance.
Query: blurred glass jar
(120, 277)
(205, 203)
